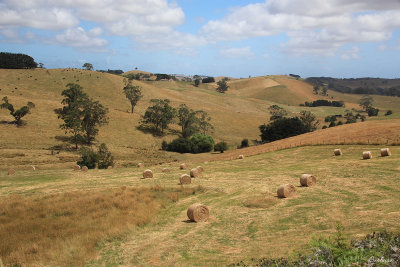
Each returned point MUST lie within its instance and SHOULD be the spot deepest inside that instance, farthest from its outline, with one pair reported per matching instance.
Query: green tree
(188, 120)
(105, 159)
(309, 120)
(221, 147)
(366, 102)
(202, 143)
(133, 93)
(222, 85)
(197, 82)
(277, 112)
(204, 122)
(87, 66)
(94, 116)
(282, 128)
(81, 115)
(19, 113)
(159, 116)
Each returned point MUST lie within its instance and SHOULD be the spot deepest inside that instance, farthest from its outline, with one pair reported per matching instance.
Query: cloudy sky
(337, 38)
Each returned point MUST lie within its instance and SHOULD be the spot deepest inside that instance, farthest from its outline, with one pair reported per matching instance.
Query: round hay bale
(11, 172)
(109, 167)
(385, 152)
(84, 169)
(367, 155)
(165, 170)
(140, 165)
(185, 179)
(194, 173)
(200, 169)
(183, 166)
(32, 168)
(147, 174)
(198, 213)
(307, 180)
(77, 168)
(337, 152)
(241, 157)
(286, 190)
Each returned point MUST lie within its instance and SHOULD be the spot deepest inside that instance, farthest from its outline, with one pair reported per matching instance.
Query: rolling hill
(235, 115)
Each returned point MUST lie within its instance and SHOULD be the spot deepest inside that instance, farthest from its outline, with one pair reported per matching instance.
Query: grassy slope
(247, 220)
(235, 115)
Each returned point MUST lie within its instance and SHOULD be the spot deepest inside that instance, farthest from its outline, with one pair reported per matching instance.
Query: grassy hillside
(235, 115)
(247, 219)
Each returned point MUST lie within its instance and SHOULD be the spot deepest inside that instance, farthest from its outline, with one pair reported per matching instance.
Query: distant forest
(365, 86)
(16, 61)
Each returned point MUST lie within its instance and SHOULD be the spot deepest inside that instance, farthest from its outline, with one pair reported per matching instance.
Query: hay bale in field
(194, 173)
(241, 157)
(147, 174)
(109, 167)
(77, 168)
(367, 155)
(84, 169)
(385, 152)
(11, 172)
(337, 152)
(307, 180)
(185, 179)
(32, 168)
(200, 169)
(198, 213)
(140, 165)
(165, 170)
(183, 166)
(286, 190)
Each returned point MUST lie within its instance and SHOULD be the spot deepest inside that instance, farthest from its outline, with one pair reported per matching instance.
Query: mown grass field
(247, 219)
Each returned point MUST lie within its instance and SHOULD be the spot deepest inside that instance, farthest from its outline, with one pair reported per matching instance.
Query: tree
(277, 112)
(81, 115)
(87, 66)
(189, 122)
(204, 122)
(282, 128)
(202, 143)
(94, 116)
(19, 113)
(366, 102)
(350, 118)
(316, 89)
(222, 85)
(159, 116)
(16, 61)
(105, 159)
(208, 80)
(221, 147)
(244, 143)
(309, 120)
(133, 93)
(372, 111)
(197, 82)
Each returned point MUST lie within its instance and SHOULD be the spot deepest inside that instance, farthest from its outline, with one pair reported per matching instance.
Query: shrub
(221, 146)
(339, 123)
(181, 145)
(89, 158)
(372, 111)
(244, 143)
(282, 128)
(332, 124)
(202, 143)
(324, 127)
(105, 159)
(164, 145)
(389, 112)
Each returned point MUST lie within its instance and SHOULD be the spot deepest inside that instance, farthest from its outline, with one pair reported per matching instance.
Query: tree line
(16, 61)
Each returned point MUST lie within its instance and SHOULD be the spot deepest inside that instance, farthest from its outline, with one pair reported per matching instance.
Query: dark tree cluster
(16, 61)
(198, 143)
(208, 80)
(161, 76)
(323, 102)
(116, 72)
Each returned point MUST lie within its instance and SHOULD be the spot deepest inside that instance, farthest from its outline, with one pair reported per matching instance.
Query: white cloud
(313, 26)
(352, 53)
(81, 39)
(243, 52)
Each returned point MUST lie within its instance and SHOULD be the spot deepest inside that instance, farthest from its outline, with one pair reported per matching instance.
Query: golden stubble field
(247, 219)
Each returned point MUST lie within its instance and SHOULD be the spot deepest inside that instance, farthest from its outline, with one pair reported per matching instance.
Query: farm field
(247, 220)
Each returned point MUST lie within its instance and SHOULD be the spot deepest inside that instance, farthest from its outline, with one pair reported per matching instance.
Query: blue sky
(237, 38)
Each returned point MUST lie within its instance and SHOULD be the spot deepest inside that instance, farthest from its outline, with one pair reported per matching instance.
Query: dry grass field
(247, 219)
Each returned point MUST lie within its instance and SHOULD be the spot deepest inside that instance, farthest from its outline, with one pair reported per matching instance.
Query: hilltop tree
(222, 85)
(87, 66)
(80, 114)
(159, 116)
(19, 113)
(277, 112)
(133, 93)
(16, 61)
